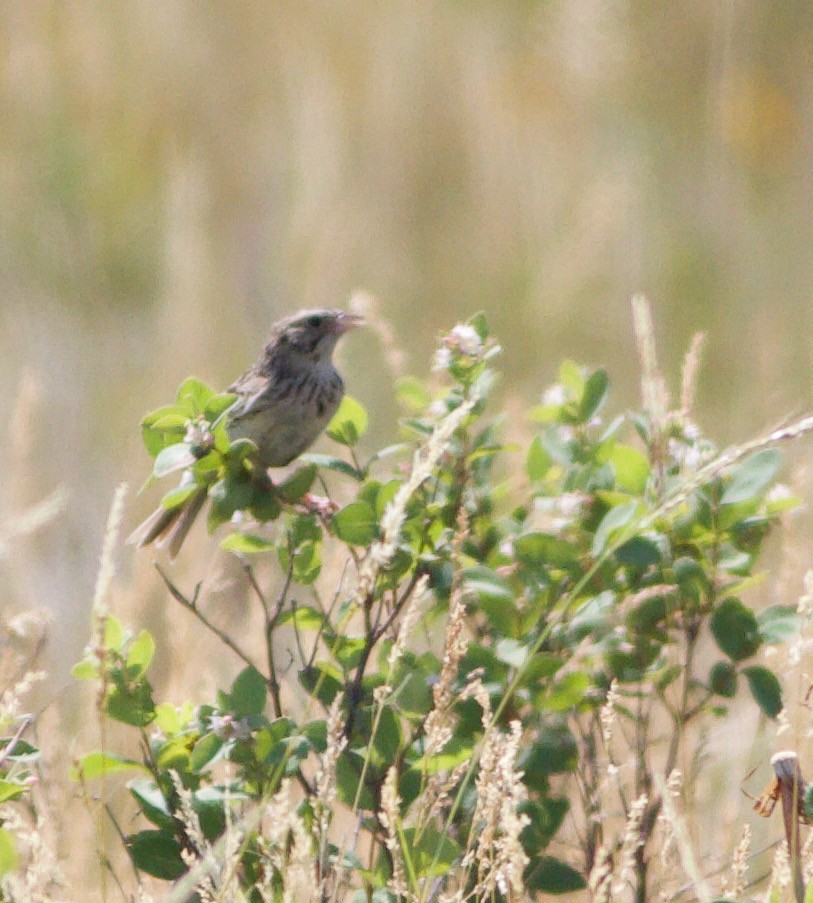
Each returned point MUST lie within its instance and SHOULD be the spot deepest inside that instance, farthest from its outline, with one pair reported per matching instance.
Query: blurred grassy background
(176, 175)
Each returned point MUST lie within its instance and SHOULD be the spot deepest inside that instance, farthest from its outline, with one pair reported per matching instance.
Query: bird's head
(313, 333)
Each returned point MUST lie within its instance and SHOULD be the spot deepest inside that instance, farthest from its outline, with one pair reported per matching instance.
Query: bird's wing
(251, 394)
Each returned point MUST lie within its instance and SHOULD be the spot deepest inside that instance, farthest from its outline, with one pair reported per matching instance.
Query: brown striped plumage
(283, 403)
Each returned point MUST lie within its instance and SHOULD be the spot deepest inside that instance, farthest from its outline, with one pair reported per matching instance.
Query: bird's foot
(320, 505)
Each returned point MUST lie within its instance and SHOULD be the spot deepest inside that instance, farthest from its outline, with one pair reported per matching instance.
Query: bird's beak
(347, 321)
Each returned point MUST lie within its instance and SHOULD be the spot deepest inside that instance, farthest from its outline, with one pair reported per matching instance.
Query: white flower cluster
(462, 340)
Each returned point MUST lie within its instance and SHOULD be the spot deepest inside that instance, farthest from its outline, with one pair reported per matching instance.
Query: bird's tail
(169, 526)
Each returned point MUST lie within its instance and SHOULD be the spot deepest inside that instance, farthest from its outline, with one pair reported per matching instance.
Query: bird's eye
(315, 321)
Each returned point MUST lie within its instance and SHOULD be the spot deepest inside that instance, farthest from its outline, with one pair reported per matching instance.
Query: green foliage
(590, 590)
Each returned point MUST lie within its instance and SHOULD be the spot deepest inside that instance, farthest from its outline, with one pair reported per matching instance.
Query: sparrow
(284, 401)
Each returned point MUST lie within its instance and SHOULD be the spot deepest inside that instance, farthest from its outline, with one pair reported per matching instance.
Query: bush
(563, 612)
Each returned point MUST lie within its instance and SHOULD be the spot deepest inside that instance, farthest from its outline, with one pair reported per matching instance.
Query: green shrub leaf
(193, 396)
(248, 693)
(157, 853)
(549, 875)
(9, 857)
(779, 623)
(349, 423)
(101, 764)
(765, 688)
(538, 462)
(751, 478)
(735, 629)
(594, 394)
(723, 680)
(173, 458)
(356, 524)
(246, 543)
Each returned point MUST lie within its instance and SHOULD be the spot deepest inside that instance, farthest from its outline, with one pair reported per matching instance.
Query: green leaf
(173, 458)
(691, 578)
(455, 753)
(307, 561)
(265, 505)
(631, 468)
(482, 581)
(512, 652)
(412, 393)
(173, 753)
(542, 666)
(113, 633)
(348, 776)
(9, 858)
(356, 524)
(87, 669)
(349, 423)
(723, 680)
(434, 852)
(208, 803)
(613, 524)
(555, 751)
(246, 543)
(639, 552)
(779, 623)
(140, 653)
(171, 423)
(176, 497)
(228, 496)
(765, 688)
(397, 448)
(207, 468)
(594, 394)
(552, 876)
(23, 752)
(572, 378)
(157, 853)
(329, 462)
(151, 802)
(101, 764)
(193, 396)
(735, 629)
(154, 438)
(546, 815)
(751, 478)
(479, 323)
(388, 739)
(248, 693)
(131, 704)
(206, 751)
(10, 790)
(538, 550)
(303, 617)
(167, 718)
(298, 483)
(217, 405)
(322, 680)
(240, 450)
(316, 733)
(566, 693)
(538, 462)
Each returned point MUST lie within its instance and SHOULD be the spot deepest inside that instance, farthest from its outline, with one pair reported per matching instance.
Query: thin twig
(327, 614)
(123, 839)
(9, 748)
(271, 617)
(191, 605)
